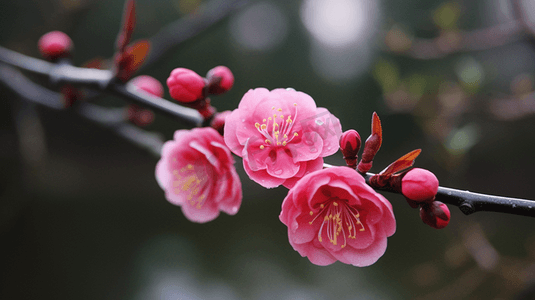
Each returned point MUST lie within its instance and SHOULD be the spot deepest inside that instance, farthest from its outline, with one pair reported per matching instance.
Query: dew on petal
(277, 172)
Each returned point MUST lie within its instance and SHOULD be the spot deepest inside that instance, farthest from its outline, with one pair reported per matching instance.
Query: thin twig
(28, 90)
(101, 80)
(114, 120)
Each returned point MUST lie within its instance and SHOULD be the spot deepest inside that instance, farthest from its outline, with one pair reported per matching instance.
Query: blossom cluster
(332, 213)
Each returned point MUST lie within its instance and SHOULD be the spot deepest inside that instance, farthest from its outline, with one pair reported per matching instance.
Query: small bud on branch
(350, 145)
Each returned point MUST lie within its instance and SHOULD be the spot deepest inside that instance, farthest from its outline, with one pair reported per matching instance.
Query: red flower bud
(350, 146)
(185, 85)
(350, 143)
(149, 84)
(435, 214)
(218, 122)
(371, 146)
(419, 185)
(220, 80)
(206, 110)
(54, 45)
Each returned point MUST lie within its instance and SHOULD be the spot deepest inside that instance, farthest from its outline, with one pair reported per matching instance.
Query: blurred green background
(82, 217)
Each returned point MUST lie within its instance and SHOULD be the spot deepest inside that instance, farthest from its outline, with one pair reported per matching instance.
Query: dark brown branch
(469, 202)
(101, 80)
(28, 90)
(114, 120)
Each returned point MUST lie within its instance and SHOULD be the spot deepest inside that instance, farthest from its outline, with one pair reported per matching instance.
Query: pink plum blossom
(197, 172)
(333, 215)
(281, 135)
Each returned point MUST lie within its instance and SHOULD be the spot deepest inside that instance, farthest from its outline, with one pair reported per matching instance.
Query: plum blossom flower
(281, 135)
(197, 172)
(333, 215)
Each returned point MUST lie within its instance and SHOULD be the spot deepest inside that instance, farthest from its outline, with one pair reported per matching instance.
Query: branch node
(467, 208)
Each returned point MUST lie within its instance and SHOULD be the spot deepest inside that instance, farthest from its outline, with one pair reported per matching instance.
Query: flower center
(338, 219)
(276, 129)
(189, 182)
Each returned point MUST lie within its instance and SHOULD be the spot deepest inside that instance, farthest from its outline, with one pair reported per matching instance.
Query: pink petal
(317, 256)
(364, 257)
(330, 130)
(255, 156)
(281, 164)
(304, 232)
(163, 176)
(231, 124)
(262, 177)
(203, 215)
(253, 97)
(308, 148)
(304, 169)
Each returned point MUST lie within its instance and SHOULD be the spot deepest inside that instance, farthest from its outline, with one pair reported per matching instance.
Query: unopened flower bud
(220, 80)
(54, 45)
(435, 214)
(218, 122)
(350, 143)
(371, 147)
(419, 185)
(185, 85)
(206, 110)
(149, 84)
(350, 146)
